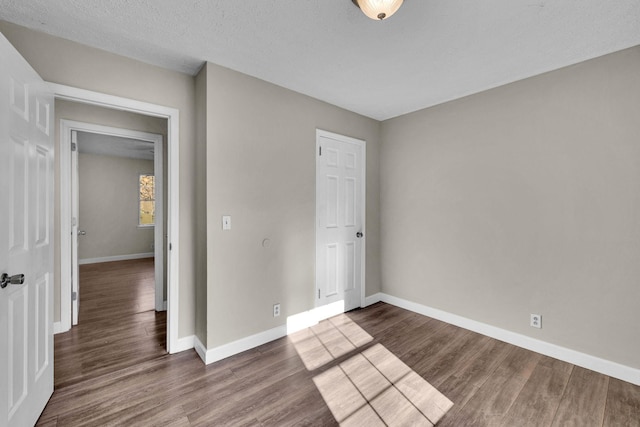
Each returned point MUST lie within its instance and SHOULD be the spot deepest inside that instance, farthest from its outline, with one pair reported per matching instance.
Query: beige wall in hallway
(109, 190)
(524, 199)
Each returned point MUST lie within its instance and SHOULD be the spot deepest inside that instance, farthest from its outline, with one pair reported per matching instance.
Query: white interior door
(26, 247)
(340, 214)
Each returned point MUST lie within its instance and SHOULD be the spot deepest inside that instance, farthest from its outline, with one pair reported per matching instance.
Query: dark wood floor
(112, 370)
(117, 324)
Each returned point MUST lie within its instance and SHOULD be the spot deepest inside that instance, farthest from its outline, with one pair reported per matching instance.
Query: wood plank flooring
(117, 325)
(112, 369)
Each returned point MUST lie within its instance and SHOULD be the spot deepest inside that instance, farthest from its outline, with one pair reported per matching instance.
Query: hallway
(118, 326)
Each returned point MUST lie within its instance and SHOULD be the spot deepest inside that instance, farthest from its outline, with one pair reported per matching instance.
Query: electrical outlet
(276, 310)
(536, 321)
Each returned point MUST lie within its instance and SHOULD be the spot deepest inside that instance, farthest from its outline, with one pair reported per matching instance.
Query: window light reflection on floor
(328, 340)
(373, 387)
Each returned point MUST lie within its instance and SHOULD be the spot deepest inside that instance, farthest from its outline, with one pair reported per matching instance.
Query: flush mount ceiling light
(378, 9)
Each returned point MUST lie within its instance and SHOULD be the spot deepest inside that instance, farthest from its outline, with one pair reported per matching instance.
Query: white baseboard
(183, 344)
(584, 360)
(201, 349)
(372, 299)
(58, 328)
(295, 323)
(226, 350)
(115, 258)
(312, 317)
(306, 319)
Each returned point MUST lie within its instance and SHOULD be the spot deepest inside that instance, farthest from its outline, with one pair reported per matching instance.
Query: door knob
(5, 280)
(81, 232)
(359, 234)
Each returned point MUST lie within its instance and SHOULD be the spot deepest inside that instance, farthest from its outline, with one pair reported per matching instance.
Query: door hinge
(318, 293)
(320, 153)
(74, 296)
(170, 247)
(73, 146)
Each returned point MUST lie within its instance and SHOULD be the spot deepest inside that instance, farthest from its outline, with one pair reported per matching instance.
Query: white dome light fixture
(378, 9)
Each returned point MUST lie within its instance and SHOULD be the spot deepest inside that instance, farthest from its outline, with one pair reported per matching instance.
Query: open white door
(340, 214)
(26, 247)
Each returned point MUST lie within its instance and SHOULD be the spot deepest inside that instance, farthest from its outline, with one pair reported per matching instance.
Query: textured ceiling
(107, 145)
(430, 52)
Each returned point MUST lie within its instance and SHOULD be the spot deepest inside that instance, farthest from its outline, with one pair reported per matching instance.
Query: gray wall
(524, 199)
(108, 205)
(260, 169)
(73, 64)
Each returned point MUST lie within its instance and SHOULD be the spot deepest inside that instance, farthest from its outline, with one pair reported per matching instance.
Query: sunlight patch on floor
(376, 388)
(328, 340)
(373, 387)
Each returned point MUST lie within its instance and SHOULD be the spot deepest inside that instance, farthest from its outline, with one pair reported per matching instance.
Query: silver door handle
(81, 233)
(5, 279)
(359, 234)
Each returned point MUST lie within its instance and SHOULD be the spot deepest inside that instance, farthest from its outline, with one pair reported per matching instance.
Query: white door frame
(66, 127)
(173, 137)
(332, 309)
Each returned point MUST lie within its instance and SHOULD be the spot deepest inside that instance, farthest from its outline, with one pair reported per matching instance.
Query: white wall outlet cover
(536, 321)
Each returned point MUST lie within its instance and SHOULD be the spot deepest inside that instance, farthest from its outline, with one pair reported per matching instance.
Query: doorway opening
(68, 93)
(119, 168)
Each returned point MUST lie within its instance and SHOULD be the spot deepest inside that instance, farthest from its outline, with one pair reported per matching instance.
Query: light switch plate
(226, 222)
